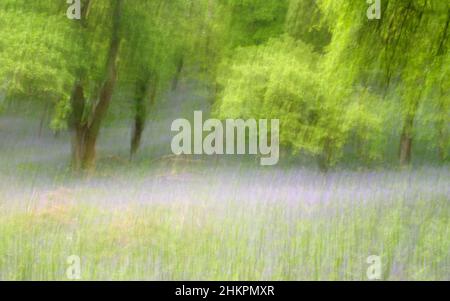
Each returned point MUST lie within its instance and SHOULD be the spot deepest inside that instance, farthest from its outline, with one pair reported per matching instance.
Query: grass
(227, 241)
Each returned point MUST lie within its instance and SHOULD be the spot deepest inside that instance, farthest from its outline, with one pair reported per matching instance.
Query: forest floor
(206, 220)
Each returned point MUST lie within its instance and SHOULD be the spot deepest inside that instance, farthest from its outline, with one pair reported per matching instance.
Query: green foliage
(255, 21)
(43, 52)
(282, 79)
(36, 52)
(152, 40)
(304, 21)
(274, 80)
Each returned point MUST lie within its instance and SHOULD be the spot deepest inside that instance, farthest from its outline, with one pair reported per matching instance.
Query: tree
(76, 62)
(88, 113)
(400, 52)
(147, 60)
(35, 59)
(155, 52)
(281, 79)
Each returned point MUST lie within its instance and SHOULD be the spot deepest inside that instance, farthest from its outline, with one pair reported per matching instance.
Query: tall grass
(228, 241)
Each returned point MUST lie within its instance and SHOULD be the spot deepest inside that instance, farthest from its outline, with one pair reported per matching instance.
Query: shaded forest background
(347, 90)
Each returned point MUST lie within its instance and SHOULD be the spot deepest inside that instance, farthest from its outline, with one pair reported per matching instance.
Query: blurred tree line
(338, 82)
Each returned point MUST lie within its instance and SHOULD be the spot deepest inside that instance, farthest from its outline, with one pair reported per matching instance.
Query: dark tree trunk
(141, 109)
(90, 133)
(405, 149)
(325, 157)
(442, 134)
(406, 138)
(406, 141)
(177, 76)
(43, 119)
(138, 129)
(139, 117)
(442, 153)
(76, 125)
(100, 110)
(441, 124)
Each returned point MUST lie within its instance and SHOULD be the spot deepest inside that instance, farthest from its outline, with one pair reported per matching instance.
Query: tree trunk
(406, 140)
(177, 76)
(138, 129)
(442, 108)
(442, 134)
(76, 125)
(325, 157)
(405, 149)
(442, 151)
(141, 110)
(106, 92)
(43, 119)
(139, 117)
(91, 133)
